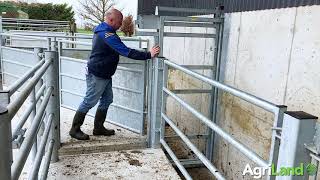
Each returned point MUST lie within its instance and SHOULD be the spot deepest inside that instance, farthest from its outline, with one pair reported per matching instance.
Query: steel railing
(162, 66)
(314, 154)
(69, 40)
(315, 159)
(34, 24)
(43, 111)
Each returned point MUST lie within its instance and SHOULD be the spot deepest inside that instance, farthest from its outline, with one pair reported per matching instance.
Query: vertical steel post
(157, 90)
(49, 44)
(275, 142)
(60, 51)
(5, 137)
(52, 80)
(298, 129)
(210, 139)
(146, 89)
(215, 93)
(161, 36)
(144, 106)
(156, 103)
(60, 48)
(150, 91)
(164, 100)
(55, 44)
(1, 44)
(1, 28)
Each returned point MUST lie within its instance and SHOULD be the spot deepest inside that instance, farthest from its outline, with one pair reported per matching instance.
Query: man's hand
(155, 50)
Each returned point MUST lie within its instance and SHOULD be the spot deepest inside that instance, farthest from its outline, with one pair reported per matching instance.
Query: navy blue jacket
(106, 48)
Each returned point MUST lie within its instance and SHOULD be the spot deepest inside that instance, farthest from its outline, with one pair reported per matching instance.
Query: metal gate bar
(50, 103)
(162, 66)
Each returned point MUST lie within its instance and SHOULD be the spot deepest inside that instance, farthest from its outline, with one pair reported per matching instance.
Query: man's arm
(115, 43)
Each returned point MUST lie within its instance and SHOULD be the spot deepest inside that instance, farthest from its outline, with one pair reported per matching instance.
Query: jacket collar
(104, 27)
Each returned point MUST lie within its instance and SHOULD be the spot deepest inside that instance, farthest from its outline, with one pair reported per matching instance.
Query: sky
(128, 6)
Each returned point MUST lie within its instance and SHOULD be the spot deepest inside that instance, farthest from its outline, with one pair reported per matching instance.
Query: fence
(45, 117)
(128, 109)
(289, 136)
(84, 40)
(287, 149)
(129, 86)
(34, 24)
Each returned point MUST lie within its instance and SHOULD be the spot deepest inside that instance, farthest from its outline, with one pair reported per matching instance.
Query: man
(104, 58)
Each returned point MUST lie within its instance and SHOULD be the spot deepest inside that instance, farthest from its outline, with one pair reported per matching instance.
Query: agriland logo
(259, 172)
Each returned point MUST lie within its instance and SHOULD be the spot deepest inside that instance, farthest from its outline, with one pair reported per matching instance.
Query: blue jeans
(97, 89)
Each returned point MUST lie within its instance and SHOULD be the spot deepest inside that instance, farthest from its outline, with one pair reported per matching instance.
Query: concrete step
(140, 164)
(122, 140)
(96, 145)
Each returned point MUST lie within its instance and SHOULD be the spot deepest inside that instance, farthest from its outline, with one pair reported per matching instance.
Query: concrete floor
(122, 140)
(131, 164)
(122, 156)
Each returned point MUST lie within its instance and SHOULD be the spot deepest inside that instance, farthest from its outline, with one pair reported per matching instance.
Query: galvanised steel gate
(23, 70)
(127, 109)
(129, 82)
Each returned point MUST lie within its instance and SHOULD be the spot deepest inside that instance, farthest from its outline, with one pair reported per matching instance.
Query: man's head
(114, 18)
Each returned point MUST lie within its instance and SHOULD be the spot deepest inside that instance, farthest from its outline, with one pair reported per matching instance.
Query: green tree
(59, 12)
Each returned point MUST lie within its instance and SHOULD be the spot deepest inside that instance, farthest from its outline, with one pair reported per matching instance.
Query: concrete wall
(275, 55)
(188, 51)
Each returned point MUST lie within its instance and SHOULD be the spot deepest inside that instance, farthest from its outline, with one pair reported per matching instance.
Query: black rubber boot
(99, 129)
(75, 130)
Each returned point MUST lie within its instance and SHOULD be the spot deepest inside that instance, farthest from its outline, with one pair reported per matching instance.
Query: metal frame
(12, 169)
(243, 95)
(197, 11)
(159, 23)
(298, 131)
(139, 110)
(14, 23)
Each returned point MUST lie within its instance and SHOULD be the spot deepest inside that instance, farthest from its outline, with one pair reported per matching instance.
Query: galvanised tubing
(46, 161)
(19, 36)
(26, 114)
(37, 162)
(242, 148)
(17, 103)
(175, 160)
(202, 157)
(14, 87)
(31, 134)
(236, 92)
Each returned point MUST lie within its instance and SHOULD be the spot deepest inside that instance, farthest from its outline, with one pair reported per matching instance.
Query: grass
(84, 31)
(90, 32)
